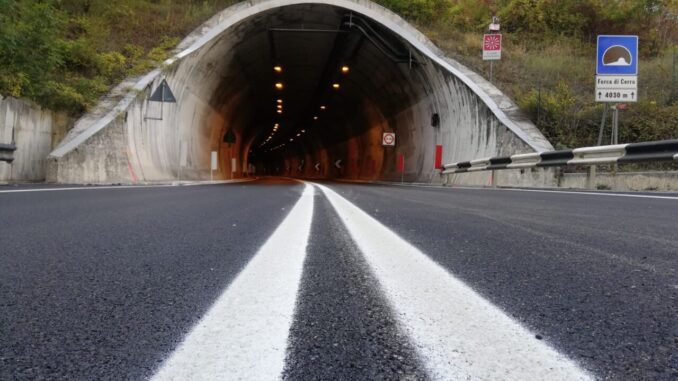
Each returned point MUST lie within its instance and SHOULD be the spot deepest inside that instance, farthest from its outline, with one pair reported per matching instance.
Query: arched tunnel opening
(308, 91)
(301, 89)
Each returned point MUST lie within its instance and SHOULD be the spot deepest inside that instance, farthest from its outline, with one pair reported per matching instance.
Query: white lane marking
(244, 334)
(458, 333)
(84, 188)
(581, 193)
(96, 187)
(511, 190)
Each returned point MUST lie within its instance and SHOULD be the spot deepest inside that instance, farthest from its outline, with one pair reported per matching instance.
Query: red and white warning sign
(388, 139)
(492, 47)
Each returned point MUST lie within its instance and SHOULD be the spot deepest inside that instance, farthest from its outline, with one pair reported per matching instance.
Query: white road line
(509, 189)
(244, 334)
(96, 187)
(582, 193)
(458, 334)
(84, 188)
(532, 190)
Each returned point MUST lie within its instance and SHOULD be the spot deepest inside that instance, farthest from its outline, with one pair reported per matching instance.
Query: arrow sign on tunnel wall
(338, 164)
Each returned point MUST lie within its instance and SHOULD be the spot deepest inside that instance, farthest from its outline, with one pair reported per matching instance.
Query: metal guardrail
(7, 152)
(663, 150)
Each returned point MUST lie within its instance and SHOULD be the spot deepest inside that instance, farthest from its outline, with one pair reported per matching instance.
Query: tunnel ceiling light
(280, 107)
(280, 101)
(336, 86)
(298, 135)
(279, 111)
(279, 86)
(323, 107)
(303, 131)
(345, 69)
(315, 118)
(277, 68)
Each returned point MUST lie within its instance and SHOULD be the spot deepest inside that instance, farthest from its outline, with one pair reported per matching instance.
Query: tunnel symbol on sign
(617, 55)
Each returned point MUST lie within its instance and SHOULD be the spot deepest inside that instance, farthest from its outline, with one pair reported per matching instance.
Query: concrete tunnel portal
(322, 84)
(300, 89)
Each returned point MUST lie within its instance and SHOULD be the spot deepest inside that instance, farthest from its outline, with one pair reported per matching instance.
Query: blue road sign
(617, 55)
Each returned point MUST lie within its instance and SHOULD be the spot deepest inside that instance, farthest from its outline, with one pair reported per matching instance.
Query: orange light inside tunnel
(323, 107)
(279, 86)
(280, 101)
(280, 111)
(336, 86)
(277, 68)
(345, 69)
(315, 118)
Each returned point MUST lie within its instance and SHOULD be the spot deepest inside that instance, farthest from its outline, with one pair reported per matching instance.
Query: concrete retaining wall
(622, 181)
(32, 129)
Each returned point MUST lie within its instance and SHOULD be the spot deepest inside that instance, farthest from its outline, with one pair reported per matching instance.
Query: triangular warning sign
(163, 94)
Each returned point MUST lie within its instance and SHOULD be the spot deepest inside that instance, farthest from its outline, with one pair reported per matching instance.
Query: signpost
(492, 44)
(492, 49)
(388, 139)
(162, 94)
(616, 75)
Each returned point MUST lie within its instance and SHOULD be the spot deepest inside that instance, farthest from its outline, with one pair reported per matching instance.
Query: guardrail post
(591, 178)
(493, 179)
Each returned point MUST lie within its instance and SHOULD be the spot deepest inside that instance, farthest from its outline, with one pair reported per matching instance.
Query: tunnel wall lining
(500, 106)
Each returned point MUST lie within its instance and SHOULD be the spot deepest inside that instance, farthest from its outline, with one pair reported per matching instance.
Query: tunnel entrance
(302, 89)
(317, 87)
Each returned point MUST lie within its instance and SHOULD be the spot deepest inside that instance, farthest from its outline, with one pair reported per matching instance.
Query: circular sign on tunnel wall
(388, 139)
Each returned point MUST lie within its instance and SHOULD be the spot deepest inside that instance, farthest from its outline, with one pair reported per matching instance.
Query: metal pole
(601, 132)
(162, 102)
(491, 70)
(673, 80)
(539, 104)
(616, 125)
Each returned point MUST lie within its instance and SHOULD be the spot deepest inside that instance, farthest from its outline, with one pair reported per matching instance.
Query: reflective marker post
(215, 164)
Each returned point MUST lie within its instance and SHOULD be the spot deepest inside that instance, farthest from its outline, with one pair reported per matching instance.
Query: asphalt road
(338, 281)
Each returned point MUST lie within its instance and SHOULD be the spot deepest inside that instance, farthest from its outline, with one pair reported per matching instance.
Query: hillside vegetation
(65, 54)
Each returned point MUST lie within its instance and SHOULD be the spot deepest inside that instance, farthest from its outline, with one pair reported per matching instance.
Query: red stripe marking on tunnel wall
(439, 156)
